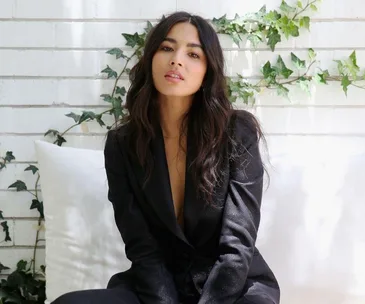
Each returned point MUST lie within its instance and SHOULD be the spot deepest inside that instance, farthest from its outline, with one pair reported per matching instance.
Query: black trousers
(118, 292)
(118, 295)
(121, 295)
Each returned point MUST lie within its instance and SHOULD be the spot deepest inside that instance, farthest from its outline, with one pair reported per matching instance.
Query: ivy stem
(31, 193)
(40, 219)
(304, 9)
(76, 124)
(297, 78)
(120, 75)
(334, 78)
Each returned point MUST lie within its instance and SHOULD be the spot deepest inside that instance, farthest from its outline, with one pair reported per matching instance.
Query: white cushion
(83, 246)
(311, 233)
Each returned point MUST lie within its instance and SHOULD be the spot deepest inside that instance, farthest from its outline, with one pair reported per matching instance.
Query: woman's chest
(176, 162)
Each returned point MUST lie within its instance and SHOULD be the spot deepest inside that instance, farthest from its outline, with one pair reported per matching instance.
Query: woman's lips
(174, 74)
(173, 79)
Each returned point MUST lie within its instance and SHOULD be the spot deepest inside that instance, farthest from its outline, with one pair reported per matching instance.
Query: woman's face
(179, 65)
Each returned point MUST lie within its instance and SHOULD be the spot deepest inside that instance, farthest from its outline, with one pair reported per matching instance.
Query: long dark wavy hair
(208, 116)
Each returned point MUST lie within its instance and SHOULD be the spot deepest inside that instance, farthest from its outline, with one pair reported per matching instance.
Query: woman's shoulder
(115, 137)
(118, 132)
(245, 126)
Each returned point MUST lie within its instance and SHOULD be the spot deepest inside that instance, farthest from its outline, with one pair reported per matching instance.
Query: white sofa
(311, 233)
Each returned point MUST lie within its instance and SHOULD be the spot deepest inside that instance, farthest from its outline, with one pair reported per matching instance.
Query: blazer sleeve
(241, 217)
(153, 282)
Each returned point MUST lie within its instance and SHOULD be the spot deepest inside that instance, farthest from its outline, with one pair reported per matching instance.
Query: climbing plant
(268, 28)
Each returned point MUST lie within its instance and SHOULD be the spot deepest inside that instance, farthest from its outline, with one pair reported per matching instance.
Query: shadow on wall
(312, 225)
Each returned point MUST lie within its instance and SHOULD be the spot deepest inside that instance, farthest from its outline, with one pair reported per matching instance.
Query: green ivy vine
(25, 285)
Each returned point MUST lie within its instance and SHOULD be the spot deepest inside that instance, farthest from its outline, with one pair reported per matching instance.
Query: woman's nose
(174, 62)
(176, 59)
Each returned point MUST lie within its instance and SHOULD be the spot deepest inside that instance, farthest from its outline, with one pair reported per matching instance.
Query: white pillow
(83, 245)
(311, 233)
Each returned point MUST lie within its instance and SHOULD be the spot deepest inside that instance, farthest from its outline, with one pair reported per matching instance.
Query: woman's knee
(68, 298)
(96, 296)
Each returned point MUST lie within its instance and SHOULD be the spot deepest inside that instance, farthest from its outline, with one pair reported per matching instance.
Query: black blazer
(214, 260)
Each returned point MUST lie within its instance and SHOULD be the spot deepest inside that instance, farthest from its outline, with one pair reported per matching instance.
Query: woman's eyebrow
(191, 44)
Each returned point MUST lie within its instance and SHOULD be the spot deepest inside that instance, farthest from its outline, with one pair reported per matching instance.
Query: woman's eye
(166, 48)
(196, 56)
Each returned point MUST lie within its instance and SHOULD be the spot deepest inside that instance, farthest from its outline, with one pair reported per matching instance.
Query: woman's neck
(172, 111)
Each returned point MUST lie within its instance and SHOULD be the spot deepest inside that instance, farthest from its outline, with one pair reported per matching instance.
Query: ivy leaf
(6, 230)
(304, 22)
(36, 204)
(284, 7)
(9, 156)
(269, 73)
(345, 83)
(19, 185)
(304, 84)
(133, 40)
(282, 69)
(149, 27)
(352, 66)
(220, 23)
(297, 62)
(340, 67)
(107, 97)
(32, 168)
(263, 9)
(51, 131)
(117, 107)
(353, 58)
(282, 91)
(87, 115)
(272, 16)
(299, 4)
(321, 77)
(121, 90)
(311, 54)
(236, 38)
(233, 98)
(117, 52)
(288, 27)
(74, 116)
(111, 73)
(2, 267)
(60, 140)
(273, 37)
(313, 7)
(43, 268)
(99, 120)
(21, 265)
(255, 39)
(246, 96)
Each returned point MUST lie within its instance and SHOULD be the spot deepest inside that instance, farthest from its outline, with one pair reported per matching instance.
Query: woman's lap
(117, 295)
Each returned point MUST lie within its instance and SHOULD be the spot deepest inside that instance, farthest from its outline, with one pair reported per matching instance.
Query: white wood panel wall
(52, 52)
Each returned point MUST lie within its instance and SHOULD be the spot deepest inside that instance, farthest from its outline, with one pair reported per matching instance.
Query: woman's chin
(175, 92)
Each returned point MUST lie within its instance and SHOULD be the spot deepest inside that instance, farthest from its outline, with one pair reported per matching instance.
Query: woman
(185, 180)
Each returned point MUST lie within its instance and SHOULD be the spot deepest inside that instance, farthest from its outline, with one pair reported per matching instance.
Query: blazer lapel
(158, 188)
(199, 219)
(193, 207)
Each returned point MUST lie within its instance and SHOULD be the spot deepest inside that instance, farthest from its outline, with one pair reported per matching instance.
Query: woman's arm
(154, 283)
(241, 219)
